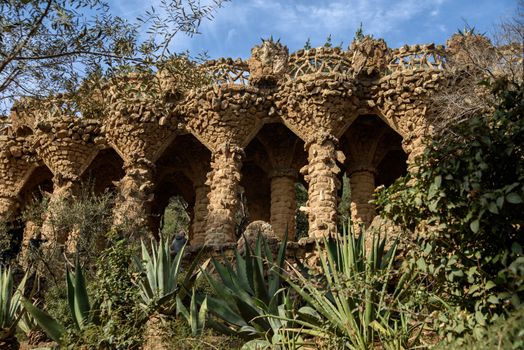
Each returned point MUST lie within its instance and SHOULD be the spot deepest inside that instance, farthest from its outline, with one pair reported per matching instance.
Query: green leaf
(256, 344)
(437, 181)
(493, 299)
(48, 324)
(475, 226)
(513, 198)
(500, 202)
(490, 285)
(481, 318)
(81, 299)
(493, 208)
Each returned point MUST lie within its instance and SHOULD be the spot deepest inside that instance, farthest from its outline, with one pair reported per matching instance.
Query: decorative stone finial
(370, 56)
(268, 63)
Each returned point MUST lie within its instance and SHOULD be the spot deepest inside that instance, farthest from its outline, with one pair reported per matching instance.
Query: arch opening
(374, 156)
(104, 171)
(271, 180)
(180, 196)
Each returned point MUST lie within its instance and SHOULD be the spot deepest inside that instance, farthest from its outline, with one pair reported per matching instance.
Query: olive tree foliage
(55, 46)
(475, 57)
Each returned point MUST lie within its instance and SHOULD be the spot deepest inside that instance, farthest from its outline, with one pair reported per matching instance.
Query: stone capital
(283, 172)
(321, 138)
(361, 168)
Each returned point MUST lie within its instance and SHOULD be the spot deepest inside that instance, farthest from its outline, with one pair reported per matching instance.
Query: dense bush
(465, 202)
(504, 335)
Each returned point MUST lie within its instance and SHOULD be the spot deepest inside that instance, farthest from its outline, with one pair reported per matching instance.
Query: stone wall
(303, 110)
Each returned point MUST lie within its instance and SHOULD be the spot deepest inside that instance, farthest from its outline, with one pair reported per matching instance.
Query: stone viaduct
(249, 132)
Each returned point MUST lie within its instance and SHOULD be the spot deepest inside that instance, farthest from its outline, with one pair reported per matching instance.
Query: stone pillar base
(8, 208)
(133, 202)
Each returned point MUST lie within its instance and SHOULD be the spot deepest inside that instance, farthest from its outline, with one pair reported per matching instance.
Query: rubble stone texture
(223, 181)
(257, 127)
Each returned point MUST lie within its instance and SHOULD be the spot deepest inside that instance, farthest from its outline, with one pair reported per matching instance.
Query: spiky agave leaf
(344, 263)
(54, 329)
(11, 309)
(77, 296)
(247, 290)
(159, 277)
(78, 302)
(194, 316)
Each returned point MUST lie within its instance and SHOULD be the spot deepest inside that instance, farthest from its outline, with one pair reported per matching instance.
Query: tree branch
(28, 37)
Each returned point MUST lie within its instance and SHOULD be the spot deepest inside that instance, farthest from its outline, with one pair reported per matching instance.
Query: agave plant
(159, 286)
(356, 297)
(10, 308)
(79, 307)
(247, 291)
(195, 317)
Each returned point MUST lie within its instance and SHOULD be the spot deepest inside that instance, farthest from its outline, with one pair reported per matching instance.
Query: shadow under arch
(270, 174)
(104, 171)
(374, 156)
(181, 176)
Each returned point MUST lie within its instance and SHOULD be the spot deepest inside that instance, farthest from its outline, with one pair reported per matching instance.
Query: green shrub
(504, 334)
(466, 204)
(87, 215)
(120, 319)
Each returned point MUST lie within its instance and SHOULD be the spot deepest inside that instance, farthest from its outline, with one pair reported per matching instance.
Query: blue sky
(241, 23)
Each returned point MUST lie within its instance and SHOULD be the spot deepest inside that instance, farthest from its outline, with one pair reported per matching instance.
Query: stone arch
(173, 184)
(38, 182)
(181, 171)
(374, 156)
(393, 122)
(270, 172)
(104, 171)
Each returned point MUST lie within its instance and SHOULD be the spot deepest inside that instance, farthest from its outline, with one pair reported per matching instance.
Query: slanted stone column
(323, 183)
(16, 162)
(67, 145)
(224, 182)
(64, 187)
(135, 194)
(198, 225)
(283, 202)
(8, 207)
(362, 182)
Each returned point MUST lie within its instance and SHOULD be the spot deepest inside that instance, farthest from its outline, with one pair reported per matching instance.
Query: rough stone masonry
(238, 141)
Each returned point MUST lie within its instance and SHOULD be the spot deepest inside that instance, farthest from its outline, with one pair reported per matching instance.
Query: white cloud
(240, 24)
